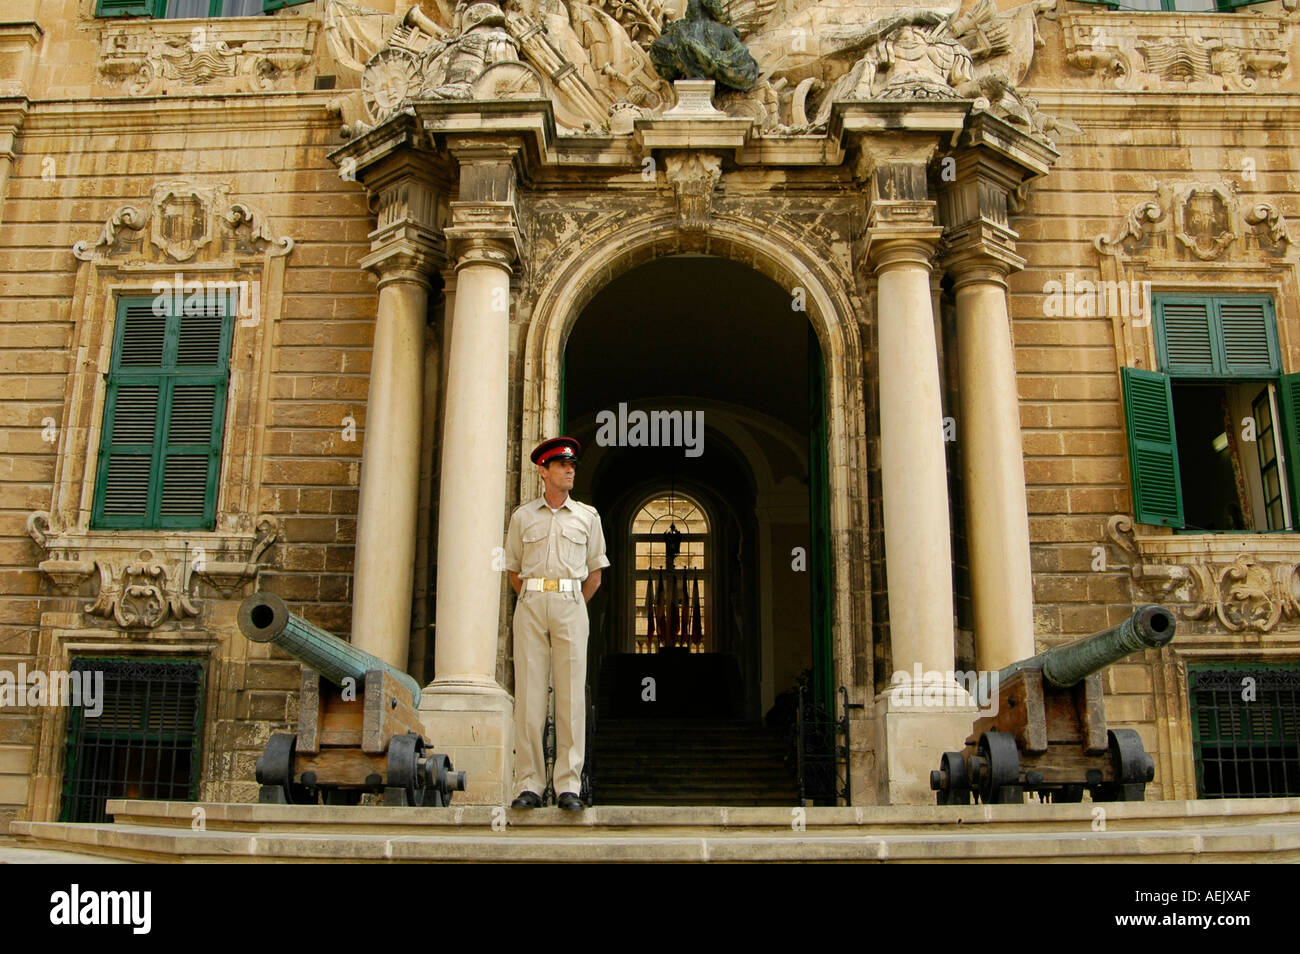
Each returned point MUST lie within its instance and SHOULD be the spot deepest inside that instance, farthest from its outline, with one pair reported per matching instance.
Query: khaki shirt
(567, 544)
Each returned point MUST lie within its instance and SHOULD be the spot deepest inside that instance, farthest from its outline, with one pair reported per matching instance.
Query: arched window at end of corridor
(673, 604)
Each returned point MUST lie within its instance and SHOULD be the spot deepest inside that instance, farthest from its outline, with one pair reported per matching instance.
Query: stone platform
(1229, 830)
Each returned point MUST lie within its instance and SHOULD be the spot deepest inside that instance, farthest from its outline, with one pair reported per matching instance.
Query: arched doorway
(744, 435)
(687, 380)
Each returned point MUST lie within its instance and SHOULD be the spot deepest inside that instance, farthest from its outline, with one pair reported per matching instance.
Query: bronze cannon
(359, 728)
(1048, 734)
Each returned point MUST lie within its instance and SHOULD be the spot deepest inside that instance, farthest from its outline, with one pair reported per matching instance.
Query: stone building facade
(900, 281)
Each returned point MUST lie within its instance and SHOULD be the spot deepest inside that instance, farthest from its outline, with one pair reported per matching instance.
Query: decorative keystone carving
(1163, 51)
(182, 219)
(1245, 593)
(143, 586)
(151, 57)
(694, 176)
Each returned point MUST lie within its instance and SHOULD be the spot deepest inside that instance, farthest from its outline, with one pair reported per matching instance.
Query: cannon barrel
(264, 618)
(1150, 627)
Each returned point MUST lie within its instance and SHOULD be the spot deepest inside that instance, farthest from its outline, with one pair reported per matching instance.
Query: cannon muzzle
(264, 618)
(1150, 627)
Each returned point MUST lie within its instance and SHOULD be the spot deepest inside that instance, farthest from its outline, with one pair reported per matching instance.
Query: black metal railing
(588, 793)
(822, 750)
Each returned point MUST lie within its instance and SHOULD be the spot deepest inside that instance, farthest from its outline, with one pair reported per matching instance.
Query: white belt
(539, 584)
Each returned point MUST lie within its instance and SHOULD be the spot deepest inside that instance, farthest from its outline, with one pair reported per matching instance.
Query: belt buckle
(551, 585)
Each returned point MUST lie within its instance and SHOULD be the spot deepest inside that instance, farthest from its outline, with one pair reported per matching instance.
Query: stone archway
(559, 301)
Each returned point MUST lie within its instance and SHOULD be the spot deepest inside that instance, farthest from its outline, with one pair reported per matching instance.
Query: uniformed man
(555, 551)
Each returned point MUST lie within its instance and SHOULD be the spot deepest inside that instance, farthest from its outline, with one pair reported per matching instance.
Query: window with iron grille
(1246, 730)
(160, 447)
(144, 743)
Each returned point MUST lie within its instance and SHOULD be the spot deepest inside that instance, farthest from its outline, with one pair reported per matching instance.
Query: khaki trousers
(550, 633)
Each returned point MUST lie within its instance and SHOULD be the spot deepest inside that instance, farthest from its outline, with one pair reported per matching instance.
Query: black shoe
(570, 802)
(527, 800)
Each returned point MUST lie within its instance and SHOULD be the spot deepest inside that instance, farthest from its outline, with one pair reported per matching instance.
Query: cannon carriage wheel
(995, 769)
(407, 782)
(1133, 769)
(275, 773)
(951, 781)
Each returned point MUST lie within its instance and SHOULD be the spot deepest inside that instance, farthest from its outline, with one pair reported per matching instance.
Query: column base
(915, 724)
(474, 726)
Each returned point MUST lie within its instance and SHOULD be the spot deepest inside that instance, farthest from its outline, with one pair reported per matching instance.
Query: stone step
(1219, 831)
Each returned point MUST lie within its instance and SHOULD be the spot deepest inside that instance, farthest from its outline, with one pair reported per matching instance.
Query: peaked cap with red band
(557, 448)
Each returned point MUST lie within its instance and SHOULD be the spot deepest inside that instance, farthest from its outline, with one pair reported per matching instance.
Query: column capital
(977, 257)
(404, 258)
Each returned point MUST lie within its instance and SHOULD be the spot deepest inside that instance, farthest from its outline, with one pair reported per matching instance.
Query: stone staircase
(1226, 830)
(691, 762)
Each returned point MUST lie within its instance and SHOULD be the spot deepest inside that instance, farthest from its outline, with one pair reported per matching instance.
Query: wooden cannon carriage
(1049, 732)
(359, 728)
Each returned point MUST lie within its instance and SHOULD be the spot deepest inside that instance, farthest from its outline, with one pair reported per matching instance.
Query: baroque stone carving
(149, 57)
(1242, 594)
(1162, 51)
(143, 587)
(589, 58)
(977, 54)
(1197, 219)
(693, 176)
(182, 219)
(574, 53)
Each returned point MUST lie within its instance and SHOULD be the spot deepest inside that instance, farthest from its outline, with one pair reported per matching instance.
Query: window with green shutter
(1214, 434)
(160, 448)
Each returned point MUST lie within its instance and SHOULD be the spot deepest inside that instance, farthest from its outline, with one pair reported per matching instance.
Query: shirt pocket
(574, 548)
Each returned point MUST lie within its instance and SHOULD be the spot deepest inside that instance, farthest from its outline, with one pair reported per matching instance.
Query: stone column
(975, 203)
(464, 709)
(993, 468)
(925, 712)
(404, 255)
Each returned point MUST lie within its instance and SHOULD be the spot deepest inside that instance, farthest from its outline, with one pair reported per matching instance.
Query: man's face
(558, 475)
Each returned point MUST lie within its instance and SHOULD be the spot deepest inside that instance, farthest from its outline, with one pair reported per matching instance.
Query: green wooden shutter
(160, 452)
(1289, 389)
(1185, 336)
(269, 5)
(1248, 335)
(1152, 448)
(1202, 336)
(128, 8)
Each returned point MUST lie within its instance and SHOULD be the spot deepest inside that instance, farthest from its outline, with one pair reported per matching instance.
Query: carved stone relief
(1174, 51)
(1244, 593)
(589, 59)
(143, 587)
(157, 56)
(182, 219)
(1195, 221)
